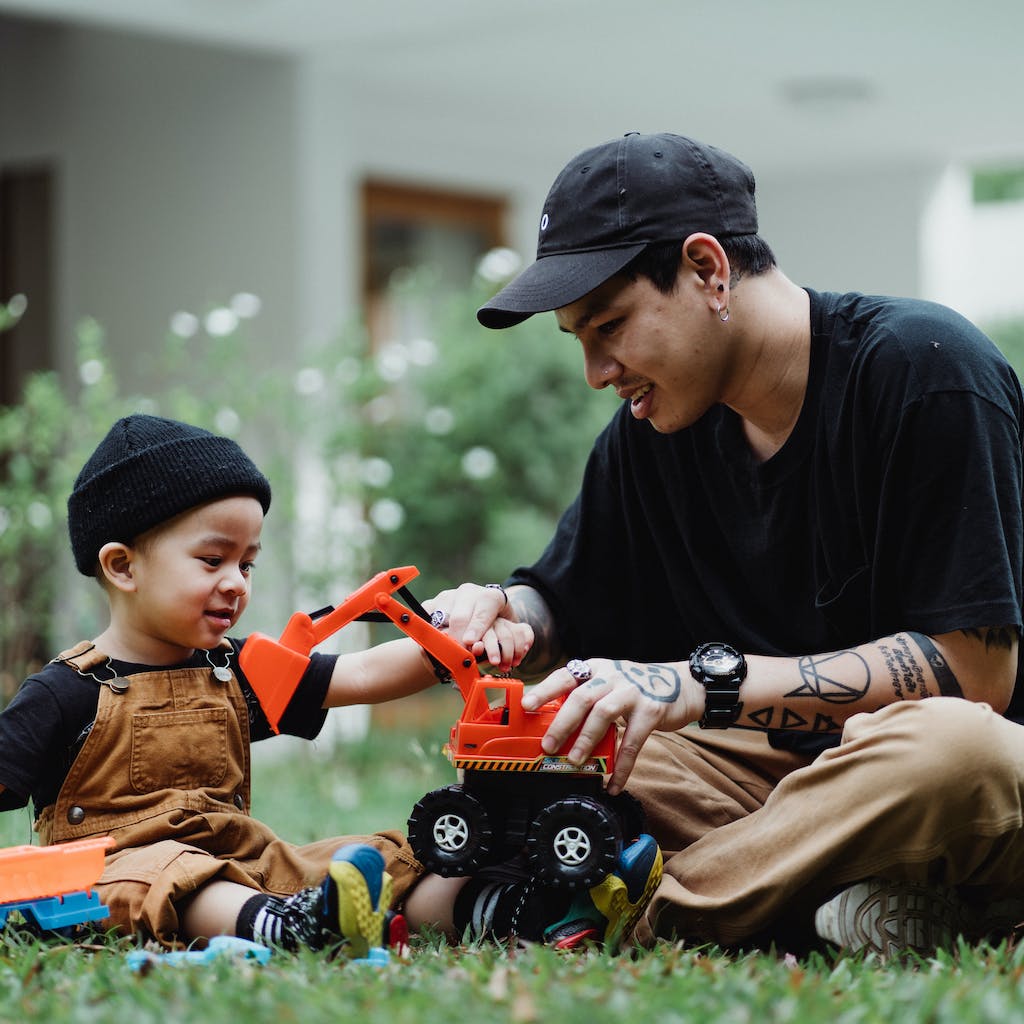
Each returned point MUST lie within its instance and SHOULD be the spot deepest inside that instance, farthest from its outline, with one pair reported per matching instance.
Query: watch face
(718, 661)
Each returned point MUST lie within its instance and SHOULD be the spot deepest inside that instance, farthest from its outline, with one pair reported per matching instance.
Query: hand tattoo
(657, 682)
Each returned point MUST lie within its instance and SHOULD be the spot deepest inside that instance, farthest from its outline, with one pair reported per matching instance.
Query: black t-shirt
(49, 718)
(895, 504)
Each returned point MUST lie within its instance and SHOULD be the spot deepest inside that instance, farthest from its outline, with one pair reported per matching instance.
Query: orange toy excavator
(512, 797)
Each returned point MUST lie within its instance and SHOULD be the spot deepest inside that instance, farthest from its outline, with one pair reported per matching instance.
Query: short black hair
(659, 261)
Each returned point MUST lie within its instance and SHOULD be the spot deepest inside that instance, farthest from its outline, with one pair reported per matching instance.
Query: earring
(723, 314)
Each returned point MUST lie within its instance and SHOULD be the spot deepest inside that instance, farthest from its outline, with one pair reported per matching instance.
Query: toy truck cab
(495, 733)
(512, 797)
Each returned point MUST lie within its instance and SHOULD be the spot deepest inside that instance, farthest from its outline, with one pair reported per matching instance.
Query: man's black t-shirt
(48, 719)
(895, 504)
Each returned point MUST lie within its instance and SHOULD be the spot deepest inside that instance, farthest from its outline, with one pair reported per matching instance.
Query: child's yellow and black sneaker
(351, 908)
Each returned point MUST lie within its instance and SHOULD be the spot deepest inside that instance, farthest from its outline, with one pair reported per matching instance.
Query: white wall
(187, 174)
(972, 253)
(848, 229)
(176, 181)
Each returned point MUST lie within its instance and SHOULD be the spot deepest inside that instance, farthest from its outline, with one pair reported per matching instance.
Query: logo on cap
(544, 222)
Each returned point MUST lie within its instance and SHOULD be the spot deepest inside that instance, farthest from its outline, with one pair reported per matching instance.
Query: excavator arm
(274, 667)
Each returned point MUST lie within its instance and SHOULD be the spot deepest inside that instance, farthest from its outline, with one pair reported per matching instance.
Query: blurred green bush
(455, 451)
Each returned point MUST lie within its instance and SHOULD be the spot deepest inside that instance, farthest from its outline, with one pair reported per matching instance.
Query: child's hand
(482, 619)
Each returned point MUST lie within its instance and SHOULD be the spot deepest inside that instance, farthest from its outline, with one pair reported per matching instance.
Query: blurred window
(26, 285)
(420, 244)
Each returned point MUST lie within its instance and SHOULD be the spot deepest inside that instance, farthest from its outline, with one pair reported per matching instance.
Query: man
(804, 520)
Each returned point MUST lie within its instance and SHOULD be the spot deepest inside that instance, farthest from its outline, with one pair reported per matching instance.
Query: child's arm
(401, 667)
(385, 672)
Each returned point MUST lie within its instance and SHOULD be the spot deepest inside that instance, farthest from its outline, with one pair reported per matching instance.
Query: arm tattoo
(994, 636)
(839, 678)
(905, 671)
(546, 652)
(947, 682)
(790, 719)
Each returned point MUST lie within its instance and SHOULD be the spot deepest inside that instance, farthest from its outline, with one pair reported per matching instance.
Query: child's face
(193, 575)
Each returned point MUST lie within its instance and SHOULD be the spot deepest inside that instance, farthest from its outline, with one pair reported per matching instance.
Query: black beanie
(146, 471)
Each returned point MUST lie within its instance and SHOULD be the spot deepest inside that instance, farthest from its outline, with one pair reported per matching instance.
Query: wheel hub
(572, 846)
(451, 833)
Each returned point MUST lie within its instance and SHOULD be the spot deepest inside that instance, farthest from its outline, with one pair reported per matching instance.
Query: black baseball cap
(610, 202)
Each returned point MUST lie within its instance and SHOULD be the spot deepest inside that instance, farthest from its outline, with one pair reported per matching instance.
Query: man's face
(659, 351)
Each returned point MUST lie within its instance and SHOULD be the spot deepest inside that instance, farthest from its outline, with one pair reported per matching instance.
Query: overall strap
(83, 657)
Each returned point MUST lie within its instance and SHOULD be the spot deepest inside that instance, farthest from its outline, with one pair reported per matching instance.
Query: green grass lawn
(372, 784)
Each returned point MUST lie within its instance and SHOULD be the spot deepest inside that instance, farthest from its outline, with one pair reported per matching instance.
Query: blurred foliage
(455, 451)
(998, 184)
(40, 438)
(1009, 336)
(47, 437)
(472, 442)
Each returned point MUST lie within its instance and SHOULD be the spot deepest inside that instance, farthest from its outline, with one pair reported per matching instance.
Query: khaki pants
(755, 839)
(142, 886)
(165, 772)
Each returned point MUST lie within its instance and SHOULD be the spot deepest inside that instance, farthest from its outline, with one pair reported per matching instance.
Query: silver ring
(579, 670)
(439, 619)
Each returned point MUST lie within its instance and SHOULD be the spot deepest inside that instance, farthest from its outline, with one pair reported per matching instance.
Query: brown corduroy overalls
(165, 770)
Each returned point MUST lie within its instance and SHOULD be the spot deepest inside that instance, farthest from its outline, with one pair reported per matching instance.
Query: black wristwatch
(720, 669)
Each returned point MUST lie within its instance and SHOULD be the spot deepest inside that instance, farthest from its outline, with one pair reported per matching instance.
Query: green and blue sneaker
(607, 913)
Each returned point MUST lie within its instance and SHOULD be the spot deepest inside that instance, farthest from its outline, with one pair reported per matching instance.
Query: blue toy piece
(52, 913)
(377, 956)
(218, 948)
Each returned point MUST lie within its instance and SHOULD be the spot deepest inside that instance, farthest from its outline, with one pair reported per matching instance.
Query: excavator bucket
(273, 671)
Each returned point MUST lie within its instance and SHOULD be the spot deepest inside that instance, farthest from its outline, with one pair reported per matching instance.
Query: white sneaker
(890, 918)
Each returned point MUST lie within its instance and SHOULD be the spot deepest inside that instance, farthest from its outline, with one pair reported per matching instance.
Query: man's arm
(817, 693)
(546, 652)
(814, 693)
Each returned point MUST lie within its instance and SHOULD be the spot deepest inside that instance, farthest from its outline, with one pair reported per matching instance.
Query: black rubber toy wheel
(449, 832)
(574, 843)
(630, 812)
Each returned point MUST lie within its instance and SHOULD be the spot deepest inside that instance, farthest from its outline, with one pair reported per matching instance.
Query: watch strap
(722, 706)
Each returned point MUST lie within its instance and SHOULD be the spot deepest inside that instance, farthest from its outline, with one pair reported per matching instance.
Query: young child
(143, 733)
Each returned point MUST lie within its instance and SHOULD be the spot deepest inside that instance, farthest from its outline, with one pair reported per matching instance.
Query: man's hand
(483, 621)
(647, 697)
